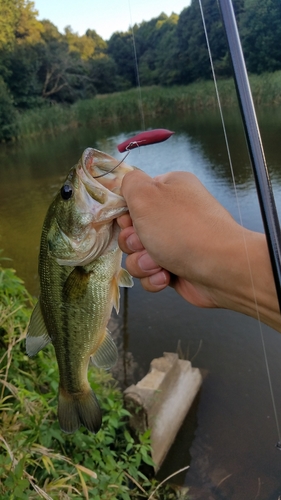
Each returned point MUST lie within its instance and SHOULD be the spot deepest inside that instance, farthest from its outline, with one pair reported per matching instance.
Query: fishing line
(137, 70)
(109, 172)
(278, 445)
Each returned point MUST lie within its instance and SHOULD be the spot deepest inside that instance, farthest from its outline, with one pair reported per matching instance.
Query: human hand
(178, 234)
(173, 233)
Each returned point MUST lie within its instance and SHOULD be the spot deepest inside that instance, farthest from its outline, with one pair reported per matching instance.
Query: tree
(27, 29)
(155, 49)
(20, 34)
(88, 46)
(18, 23)
(8, 19)
(8, 115)
(99, 44)
(166, 62)
(50, 32)
(22, 75)
(261, 35)
(73, 66)
(103, 74)
(62, 73)
(121, 49)
(192, 53)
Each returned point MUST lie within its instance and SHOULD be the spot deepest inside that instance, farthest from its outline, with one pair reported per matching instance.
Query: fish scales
(80, 274)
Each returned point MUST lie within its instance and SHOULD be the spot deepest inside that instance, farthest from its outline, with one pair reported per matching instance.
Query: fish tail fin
(75, 410)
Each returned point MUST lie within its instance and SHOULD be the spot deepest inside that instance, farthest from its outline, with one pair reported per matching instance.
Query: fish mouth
(97, 203)
(103, 170)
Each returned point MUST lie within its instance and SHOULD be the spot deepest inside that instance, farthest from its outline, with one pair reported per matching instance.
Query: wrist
(249, 286)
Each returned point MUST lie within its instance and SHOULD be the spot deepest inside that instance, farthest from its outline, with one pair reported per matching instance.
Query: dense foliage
(39, 66)
(36, 459)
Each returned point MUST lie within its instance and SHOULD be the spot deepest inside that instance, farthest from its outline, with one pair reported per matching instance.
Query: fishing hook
(145, 138)
(109, 172)
(142, 139)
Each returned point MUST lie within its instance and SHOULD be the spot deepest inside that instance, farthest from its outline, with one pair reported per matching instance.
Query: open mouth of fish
(85, 229)
(100, 171)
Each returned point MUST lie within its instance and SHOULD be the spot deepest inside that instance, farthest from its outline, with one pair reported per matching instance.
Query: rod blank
(254, 142)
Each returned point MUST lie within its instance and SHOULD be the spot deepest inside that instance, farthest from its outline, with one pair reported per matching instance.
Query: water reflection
(230, 442)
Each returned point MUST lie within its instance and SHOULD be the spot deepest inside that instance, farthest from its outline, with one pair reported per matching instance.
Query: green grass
(37, 460)
(155, 101)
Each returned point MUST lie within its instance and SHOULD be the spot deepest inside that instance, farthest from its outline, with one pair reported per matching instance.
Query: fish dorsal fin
(125, 279)
(106, 355)
(37, 336)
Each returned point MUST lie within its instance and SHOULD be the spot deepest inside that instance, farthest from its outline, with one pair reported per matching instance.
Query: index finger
(124, 221)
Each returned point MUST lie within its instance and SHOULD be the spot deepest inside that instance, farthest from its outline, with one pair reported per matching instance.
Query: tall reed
(155, 101)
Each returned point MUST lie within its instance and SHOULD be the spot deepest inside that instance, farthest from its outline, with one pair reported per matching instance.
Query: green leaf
(19, 490)
(19, 468)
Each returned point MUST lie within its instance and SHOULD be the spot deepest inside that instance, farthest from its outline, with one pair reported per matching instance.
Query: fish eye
(66, 191)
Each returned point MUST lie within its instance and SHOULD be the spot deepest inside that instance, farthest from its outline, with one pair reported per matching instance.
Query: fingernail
(146, 263)
(158, 279)
(133, 242)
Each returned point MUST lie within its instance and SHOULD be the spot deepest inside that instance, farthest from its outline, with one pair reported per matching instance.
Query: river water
(229, 436)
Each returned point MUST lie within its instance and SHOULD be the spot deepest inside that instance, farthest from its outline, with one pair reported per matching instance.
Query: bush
(8, 114)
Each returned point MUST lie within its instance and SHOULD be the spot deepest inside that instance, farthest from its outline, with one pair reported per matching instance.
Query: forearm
(248, 285)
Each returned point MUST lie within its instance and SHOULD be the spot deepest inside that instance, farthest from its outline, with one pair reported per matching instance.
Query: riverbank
(151, 101)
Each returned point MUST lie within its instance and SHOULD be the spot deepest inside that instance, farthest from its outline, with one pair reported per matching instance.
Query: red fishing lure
(144, 139)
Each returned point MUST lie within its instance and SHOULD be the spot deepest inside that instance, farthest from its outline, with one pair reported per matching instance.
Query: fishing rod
(254, 142)
(258, 162)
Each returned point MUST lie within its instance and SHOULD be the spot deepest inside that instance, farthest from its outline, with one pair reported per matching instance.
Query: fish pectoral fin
(37, 335)
(76, 284)
(106, 355)
(79, 409)
(116, 295)
(125, 279)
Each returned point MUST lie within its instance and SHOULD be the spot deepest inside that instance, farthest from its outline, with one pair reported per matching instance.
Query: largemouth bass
(80, 274)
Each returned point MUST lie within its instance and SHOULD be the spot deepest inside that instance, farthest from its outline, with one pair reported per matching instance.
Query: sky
(104, 16)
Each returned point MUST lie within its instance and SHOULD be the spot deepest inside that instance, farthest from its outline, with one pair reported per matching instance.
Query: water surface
(229, 437)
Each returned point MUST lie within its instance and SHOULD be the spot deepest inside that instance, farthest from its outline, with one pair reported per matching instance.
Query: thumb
(133, 184)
